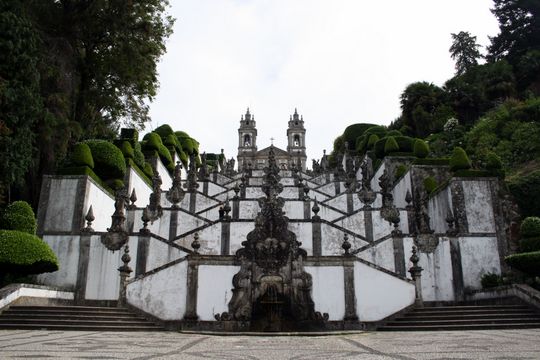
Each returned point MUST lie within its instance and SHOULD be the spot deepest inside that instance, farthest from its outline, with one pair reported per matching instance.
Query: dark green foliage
(339, 145)
(530, 244)
(378, 148)
(127, 150)
(20, 100)
(163, 131)
(131, 135)
(171, 140)
(379, 130)
(152, 142)
(530, 227)
(432, 161)
(81, 156)
(421, 149)
(400, 171)
(108, 159)
(147, 168)
(19, 216)
(490, 280)
(353, 132)
(526, 191)
(394, 133)
(430, 184)
(493, 161)
(115, 184)
(24, 253)
(477, 173)
(405, 143)
(373, 138)
(459, 160)
(85, 170)
(527, 262)
(138, 156)
(464, 51)
(390, 146)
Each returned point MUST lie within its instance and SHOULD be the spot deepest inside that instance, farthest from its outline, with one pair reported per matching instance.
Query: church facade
(249, 155)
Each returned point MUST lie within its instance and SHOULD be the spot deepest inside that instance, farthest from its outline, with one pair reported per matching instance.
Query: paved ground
(494, 344)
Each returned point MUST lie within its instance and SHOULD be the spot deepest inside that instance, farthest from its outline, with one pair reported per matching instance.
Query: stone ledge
(14, 292)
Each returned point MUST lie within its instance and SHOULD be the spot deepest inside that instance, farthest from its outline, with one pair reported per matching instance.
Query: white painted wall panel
(162, 294)
(478, 206)
(66, 248)
(328, 290)
(61, 204)
(479, 256)
(215, 290)
(102, 206)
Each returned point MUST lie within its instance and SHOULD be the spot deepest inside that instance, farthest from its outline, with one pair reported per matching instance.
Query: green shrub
(530, 227)
(394, 133)
(421, 149)
(526, 191)
(477, 173)
(530, 244)
(401, 170)
(164, 130)
(171, 140)
(81, 156)
(19, 216)
(352, 132)
(109, 163)
(430, 184)
(378, 148)
(390, 146)
(527, 262)
(152, 141)
(490, 280)
(24, 253)
(432, 161)
(127, 150)
(373, 138)
(138, 156)
(459, 160)
(130, 135)
(493, 161)
(115, 184)
(147, 169)
(405, 143)
(378, 130)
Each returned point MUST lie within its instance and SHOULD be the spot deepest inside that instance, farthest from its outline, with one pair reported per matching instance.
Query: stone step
(469, 311)
(402, 322)
(74, 318)
(412, 317)
(458, 327)
(81, 327)
(471, 307)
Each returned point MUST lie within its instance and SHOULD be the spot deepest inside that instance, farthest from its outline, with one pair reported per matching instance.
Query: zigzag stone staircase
(87, 318)
(466, 317)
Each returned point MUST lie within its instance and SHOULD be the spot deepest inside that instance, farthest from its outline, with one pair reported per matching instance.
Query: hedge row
(108, 159)
(526, 191)
(24, 253)
(19, 216)
(527, 262)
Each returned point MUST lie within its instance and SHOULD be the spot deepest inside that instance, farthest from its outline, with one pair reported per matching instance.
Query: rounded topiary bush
(19, 216)
(530, 244)
(127, 150)
(109, 162)
(171, 140)
(394, 133)
(378, 148)
(430, 184)
(391, 145)
(527, 262)
(138, 156)
(373, 138)
(459, 160)
(164, 130)
(421, 149)
(530, 227)
(352, 132)
(81, 156)
(152, 141)
(405, 143)
(24, 253)
(147, 169)
(379, 130)
(493, 161)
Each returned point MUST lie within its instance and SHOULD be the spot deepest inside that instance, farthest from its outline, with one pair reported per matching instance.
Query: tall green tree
(519, 24)
(20, 100)
(464, 51)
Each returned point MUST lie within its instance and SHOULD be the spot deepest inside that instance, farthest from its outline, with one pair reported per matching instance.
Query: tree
(20, 100)
(464, 51)
(519, 25)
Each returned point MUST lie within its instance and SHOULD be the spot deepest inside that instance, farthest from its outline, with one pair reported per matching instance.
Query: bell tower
(247, 140)
(296, 135)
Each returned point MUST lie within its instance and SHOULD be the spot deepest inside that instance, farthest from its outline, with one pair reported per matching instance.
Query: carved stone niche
(427, 243)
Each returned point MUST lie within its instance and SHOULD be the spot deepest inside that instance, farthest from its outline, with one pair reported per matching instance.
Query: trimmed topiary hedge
(530, 227)
(430, 184)
(400, 171)
(24, 253)
(152, 142)
(138, 156)
(85, 170)
(391, 145)
(526, 191)
(432, 161)
(81, 156)
(527, 262)
(127, 150)
(353, 132)
(530, 244)
(421, 149)
(109, 162)
(459, 160)
(163, 131)
(405, 143)
(493, 161)
(19, 216)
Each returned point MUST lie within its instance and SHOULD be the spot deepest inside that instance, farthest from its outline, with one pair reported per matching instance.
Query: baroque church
(249, 156)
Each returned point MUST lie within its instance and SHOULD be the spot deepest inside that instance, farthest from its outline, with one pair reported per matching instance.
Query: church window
(296, 140)
(247, 140)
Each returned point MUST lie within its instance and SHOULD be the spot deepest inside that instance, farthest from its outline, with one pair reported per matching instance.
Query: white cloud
(339, 61)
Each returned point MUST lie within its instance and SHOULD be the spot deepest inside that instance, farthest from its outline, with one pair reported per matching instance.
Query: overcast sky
(339, 62)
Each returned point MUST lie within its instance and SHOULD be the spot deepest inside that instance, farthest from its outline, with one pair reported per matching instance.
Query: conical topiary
(391, 145)
(420, 149)
(459, 160)
(82, 156)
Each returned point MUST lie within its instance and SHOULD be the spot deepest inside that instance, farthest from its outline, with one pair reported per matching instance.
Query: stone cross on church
(248, 152)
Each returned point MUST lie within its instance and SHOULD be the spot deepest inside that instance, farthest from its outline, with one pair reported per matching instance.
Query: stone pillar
(192, 202)
(124, 270)
(457, 269)
(307, 210)
(337, 187)
(416, 275)
(173, 225)
(316, 230)
(225, 236)
(458, 207)
(205, 187)
(236, 208)
(368, 223)
(350, 296)
(399, 254)
(350, 203)
(82, 273)
(142, 253)
(192, 286)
